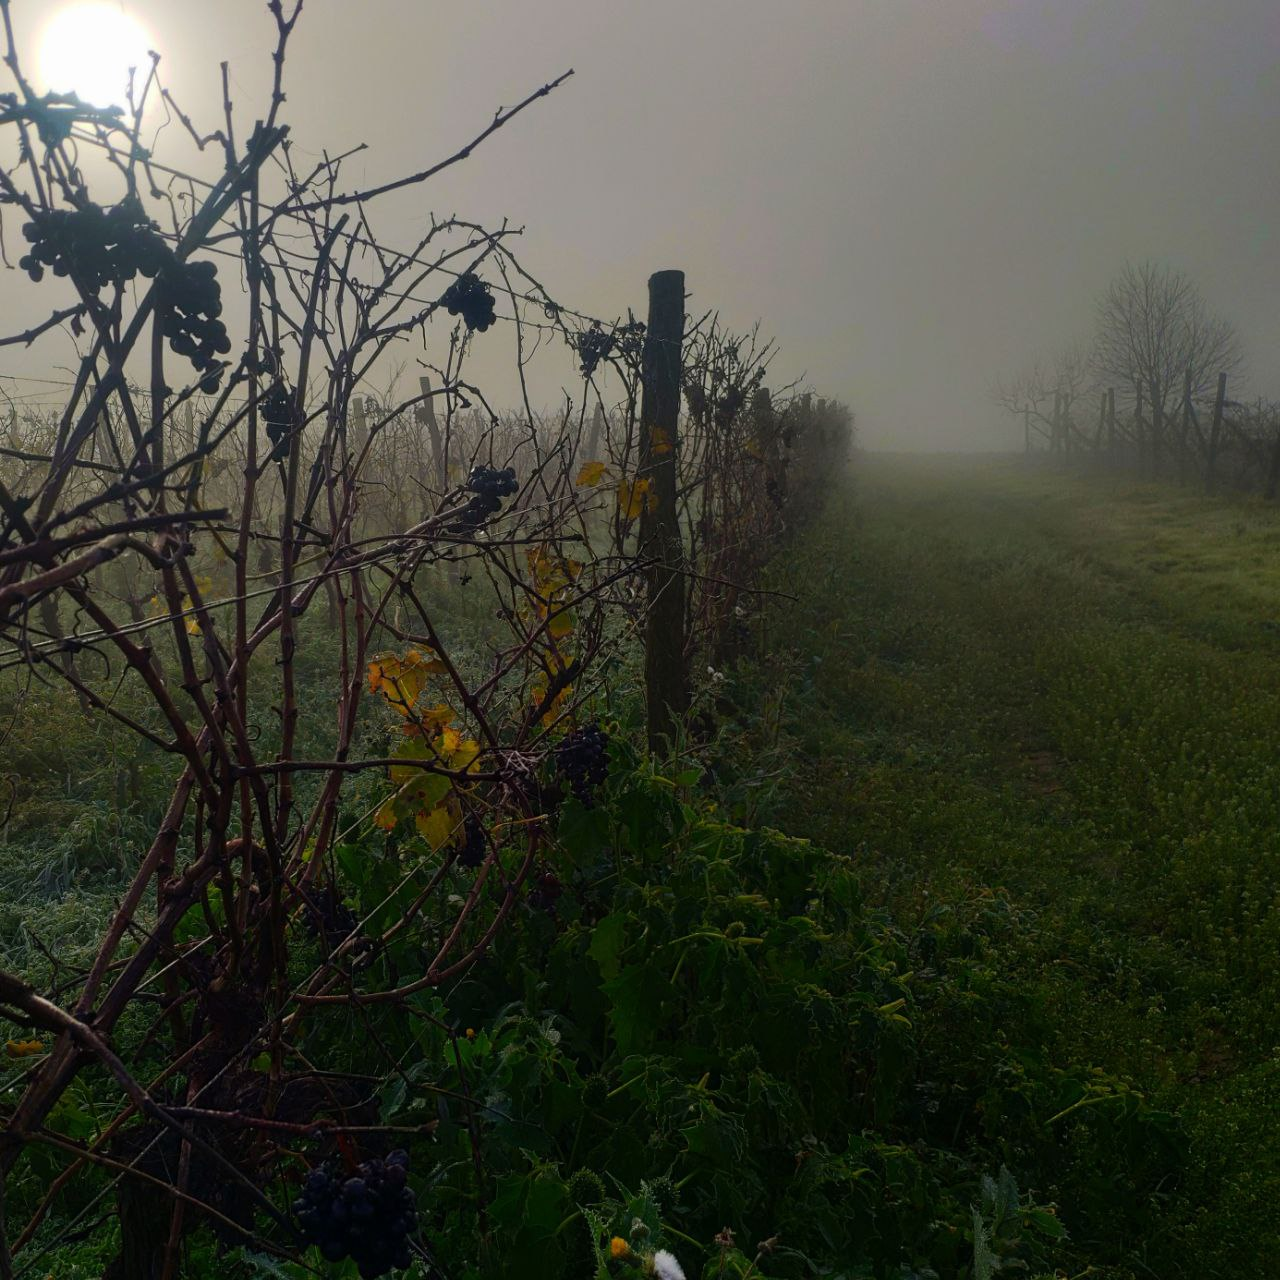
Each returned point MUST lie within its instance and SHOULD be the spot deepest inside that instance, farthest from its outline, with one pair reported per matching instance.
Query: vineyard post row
(1197, 449)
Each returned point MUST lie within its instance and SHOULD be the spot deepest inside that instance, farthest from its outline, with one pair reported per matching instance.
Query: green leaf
(607, 941)
(635, 1012)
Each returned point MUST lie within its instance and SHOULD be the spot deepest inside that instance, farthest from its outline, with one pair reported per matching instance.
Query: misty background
(914, 196)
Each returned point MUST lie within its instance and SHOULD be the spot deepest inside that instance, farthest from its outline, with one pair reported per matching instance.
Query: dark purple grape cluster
(545, 892)
(595, 344)
(488, 487)
(367, 1217)
(630, 341)
(469, 297)
(329, 917)
(97, 247)
(276, 408)
(583, 760)
(474, 845)
(192, 299)
(729, 405)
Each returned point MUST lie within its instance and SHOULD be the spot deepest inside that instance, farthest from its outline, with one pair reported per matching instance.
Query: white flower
(665, 1266)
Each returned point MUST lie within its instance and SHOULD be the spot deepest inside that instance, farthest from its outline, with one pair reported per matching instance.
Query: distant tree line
(1151, 390)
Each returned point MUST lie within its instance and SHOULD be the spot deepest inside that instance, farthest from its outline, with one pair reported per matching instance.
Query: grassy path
(1061, 697)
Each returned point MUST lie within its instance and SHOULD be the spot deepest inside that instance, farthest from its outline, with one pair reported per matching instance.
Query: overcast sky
(913, 195)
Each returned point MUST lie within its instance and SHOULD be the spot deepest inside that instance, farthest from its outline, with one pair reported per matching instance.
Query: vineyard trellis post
(666, 695)
(425, 414)
(1184, 428)
(1215, 433)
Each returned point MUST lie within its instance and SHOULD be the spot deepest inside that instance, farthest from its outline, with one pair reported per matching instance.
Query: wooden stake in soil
(666, 696)
(1215, 433)
(425, 414)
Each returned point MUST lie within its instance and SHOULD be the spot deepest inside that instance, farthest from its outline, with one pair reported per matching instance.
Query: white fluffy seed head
(665, 1266)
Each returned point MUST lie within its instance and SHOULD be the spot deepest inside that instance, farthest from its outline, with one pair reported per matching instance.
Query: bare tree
(1157, 335)
(1047, 395)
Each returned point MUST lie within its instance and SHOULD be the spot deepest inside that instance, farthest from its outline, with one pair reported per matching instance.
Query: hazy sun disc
(88, 49)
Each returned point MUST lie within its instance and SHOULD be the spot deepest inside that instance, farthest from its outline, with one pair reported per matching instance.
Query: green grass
(1062, 694)
(1035, 715)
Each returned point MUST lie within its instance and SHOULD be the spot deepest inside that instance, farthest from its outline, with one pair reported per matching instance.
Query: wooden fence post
(1111, 422)
(1184, 431)
(666, 694)
(425, 414)
(1026, 430)
(1215, 434)
(596, 438)
(360, 421)
(1273, 471)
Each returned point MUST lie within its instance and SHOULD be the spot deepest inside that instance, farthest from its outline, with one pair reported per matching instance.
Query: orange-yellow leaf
(636, 496)
(401, 680)
(23, 1048)
(659, 441)
(428, 721)
(590, 474)
(386, 815)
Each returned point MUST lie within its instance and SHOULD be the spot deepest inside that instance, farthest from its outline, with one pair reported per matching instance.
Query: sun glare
(89, 48)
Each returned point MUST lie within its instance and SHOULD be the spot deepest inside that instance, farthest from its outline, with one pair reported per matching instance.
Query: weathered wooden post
(425, 415)
(666, 695)
(359, 423)
(1273, 471)
(596, 438)
(1026, 429)
(1215, 434)
(1184, 430)
(1111, 423)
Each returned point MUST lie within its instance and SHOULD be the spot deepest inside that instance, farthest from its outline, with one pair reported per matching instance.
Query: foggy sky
(913, 195)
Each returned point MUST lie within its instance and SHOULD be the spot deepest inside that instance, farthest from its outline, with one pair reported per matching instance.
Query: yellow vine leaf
(560, 624)
(590, 474)
(23, 1048)
(386, 816)
(427, 722)
(401, 680)
(435, 826)
(659, 441)
(466, 756)
(550, 570)
(636, 496)
(557, 703)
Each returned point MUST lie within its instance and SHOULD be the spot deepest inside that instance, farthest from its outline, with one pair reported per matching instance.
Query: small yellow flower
(618, 1247)
(471, 1033)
